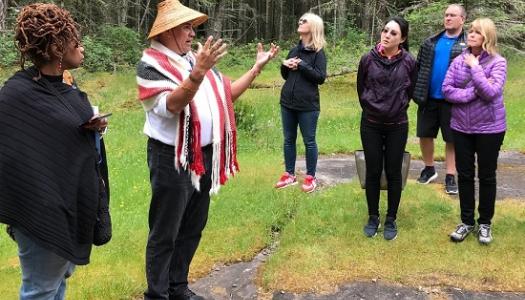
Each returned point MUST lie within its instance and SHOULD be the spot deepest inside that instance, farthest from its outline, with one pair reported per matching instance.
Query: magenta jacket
(477, 94)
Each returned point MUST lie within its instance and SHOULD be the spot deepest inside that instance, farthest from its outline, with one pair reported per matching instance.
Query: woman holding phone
(48, 159)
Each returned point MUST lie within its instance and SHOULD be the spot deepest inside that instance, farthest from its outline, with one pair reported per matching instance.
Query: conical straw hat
(171, 13)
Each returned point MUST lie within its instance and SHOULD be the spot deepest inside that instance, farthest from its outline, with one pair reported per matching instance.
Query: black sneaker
(427, 175)
(186, 295)
(461, 232)
(451, 187)
(372, 226)
(390, 231)
(484, 234)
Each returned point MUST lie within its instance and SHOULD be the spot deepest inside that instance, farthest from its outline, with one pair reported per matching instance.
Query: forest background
(114, 30)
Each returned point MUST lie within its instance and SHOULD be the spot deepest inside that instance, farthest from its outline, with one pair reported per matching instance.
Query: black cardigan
(48, 180)
(301, 89)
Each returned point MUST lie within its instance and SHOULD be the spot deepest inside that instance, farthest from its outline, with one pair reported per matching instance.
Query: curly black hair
(44, 32)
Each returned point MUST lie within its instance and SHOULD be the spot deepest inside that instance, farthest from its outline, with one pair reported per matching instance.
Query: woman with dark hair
(385, 80)
(48, 159)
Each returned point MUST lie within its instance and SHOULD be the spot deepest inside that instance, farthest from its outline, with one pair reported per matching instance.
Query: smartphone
(95, 119)
(101, 116)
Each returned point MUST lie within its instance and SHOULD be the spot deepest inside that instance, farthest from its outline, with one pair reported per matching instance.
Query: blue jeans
(44, 273)
(307, 121)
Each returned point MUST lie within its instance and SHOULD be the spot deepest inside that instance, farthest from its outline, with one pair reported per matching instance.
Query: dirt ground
(237, 281)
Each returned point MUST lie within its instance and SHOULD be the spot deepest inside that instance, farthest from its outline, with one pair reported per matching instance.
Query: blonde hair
(488, 30)
(316, 30)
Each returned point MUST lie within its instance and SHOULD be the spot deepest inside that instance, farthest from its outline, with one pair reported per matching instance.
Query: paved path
(336, 169)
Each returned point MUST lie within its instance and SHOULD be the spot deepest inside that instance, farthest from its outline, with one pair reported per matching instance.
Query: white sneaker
(461, 232)
(484, 234)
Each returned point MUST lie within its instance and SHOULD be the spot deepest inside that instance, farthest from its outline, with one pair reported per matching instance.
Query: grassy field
(321, 244)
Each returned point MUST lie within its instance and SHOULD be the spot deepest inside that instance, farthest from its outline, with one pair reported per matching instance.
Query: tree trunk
(341, 17)
(123, 13)
(267, 19)
(372, 30)
(144, 16)
(280, 34)
(217, 20)
(336, 27)
(3, 14)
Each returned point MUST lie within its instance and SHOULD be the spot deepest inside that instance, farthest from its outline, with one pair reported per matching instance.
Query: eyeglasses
(302, 21)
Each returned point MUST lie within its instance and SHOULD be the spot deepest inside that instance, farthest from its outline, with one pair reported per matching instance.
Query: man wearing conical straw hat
(192, 140)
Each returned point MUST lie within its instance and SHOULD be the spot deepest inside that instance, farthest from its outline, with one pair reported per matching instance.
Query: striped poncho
(157, 73)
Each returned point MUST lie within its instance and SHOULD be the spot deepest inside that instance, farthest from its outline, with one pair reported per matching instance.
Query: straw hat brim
(172, 14)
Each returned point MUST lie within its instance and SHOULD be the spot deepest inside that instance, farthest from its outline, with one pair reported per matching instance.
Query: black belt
(161, 144)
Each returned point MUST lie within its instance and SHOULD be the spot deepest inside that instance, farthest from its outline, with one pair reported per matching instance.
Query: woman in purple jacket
(474, 84)
(385, 81)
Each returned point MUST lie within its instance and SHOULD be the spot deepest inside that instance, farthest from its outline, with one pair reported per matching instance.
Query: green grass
(321, 243)
(325, 246)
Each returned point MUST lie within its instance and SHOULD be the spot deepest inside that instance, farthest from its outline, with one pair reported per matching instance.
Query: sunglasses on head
(302, 21)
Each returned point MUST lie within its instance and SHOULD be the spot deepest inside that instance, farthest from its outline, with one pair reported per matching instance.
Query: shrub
(424, 22)
(344, 54)
(98, 57)
(124, 42)
(246, 118)
(8, 51)
(112, 47)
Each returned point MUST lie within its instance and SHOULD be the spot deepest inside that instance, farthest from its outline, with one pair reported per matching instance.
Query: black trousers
(486, 147)
(383, 145)
(177, 216)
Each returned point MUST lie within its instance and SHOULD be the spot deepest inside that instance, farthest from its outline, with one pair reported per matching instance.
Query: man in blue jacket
(435, 55)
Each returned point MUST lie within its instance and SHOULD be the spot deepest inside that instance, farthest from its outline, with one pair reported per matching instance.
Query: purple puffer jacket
(477, 94)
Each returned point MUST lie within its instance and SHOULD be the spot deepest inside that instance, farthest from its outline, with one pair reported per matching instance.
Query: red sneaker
(309, 184)
(286, 180)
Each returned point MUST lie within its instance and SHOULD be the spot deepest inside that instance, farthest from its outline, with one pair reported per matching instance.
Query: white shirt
(160, 123)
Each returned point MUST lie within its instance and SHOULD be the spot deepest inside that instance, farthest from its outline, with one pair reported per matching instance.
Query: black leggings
(383, 145)
(486, 147)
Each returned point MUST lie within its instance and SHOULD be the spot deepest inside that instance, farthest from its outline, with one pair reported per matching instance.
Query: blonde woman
(304, 70)
(474, 84)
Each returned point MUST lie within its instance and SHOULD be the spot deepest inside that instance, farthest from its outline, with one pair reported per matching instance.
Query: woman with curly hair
(48, 174)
